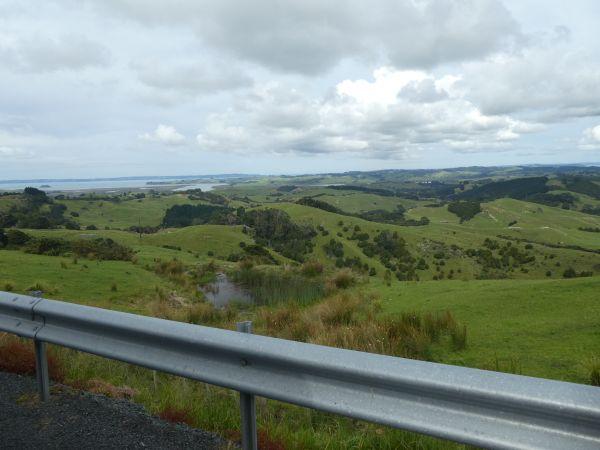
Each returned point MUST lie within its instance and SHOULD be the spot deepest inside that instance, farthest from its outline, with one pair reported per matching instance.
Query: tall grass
(275, 286)
(350, 321)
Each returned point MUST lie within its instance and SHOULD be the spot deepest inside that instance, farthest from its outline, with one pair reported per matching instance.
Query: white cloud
(593, 133)
(164, 134)
(590, 139)
(370, 117)
(456, 82)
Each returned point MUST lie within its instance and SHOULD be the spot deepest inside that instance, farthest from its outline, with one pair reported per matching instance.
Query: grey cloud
(190, 78)
(311, 36)
(547, 83)
(48, 54)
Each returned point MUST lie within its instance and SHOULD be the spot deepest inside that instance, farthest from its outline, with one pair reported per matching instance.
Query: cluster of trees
(518, 188)
(589, 209)
(572, 273)
(287, 188)
(393, 253)
(210, 197)
(269, 227)
(465, 210)
(100, 248)
(378, 215)
(495, 256)
(590, 229)
(254, 253)
(564, 200)
(34, 209)
(314, 203)
(275, 229)
(334, 249)
(582, 185)
(366, 189)
(394, 217)
(187, 215)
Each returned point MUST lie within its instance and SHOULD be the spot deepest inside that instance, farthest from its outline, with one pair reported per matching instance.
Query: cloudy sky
(93, 88)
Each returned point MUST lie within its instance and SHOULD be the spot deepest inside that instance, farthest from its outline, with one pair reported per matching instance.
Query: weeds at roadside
(17, 356)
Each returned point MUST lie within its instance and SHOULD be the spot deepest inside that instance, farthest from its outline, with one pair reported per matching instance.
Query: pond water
(223, 291)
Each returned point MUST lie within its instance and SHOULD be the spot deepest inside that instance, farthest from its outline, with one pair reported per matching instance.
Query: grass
(275, 286)
(550, 327)
(148, 211)
(422, 240)
(86, 282)
(530, 324)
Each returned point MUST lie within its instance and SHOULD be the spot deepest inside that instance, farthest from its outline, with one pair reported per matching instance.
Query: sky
(103, 88)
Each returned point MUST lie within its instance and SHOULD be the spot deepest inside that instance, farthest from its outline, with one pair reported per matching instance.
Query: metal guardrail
(482, 408)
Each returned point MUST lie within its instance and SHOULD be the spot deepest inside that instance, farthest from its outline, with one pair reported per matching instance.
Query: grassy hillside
(543, 328)
(148, 211)
(108, 284)
(500, 276)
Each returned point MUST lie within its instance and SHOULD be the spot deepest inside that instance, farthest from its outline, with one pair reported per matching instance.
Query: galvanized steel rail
(482, 408)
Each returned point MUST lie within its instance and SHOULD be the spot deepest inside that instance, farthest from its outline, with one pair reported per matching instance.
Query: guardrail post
(247, 405)
(41, 370)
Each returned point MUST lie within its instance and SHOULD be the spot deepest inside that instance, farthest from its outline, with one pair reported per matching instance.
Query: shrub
(18, 357)
(175, 414)
(203, 314)
(465, 210)
(173, 269)
(343, 279)
(16, 238)
(311, 268)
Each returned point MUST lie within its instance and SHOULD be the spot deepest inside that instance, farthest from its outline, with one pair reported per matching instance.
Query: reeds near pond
(275, 286)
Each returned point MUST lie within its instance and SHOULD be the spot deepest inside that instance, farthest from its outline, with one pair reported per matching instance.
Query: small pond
(223, 291)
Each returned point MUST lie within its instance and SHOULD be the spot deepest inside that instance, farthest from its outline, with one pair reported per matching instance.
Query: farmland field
(329, 259)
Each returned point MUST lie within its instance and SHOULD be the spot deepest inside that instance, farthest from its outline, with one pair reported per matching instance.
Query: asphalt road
(79, 420)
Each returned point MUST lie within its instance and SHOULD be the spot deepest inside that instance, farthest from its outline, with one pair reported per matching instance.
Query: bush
(343, 279)
(311, 268)
(18, 357)
(16, 238)
(465, 210)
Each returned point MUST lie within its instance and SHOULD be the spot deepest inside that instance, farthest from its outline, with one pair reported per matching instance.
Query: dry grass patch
(350, 321)
(18, 356)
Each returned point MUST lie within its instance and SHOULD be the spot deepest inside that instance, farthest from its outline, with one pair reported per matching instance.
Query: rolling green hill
(521, 277)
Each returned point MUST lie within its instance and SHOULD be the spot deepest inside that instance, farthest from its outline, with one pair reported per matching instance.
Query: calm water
(78, 185)
(222, 291)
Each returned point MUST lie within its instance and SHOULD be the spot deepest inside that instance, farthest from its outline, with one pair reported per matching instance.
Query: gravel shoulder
(76, 420)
